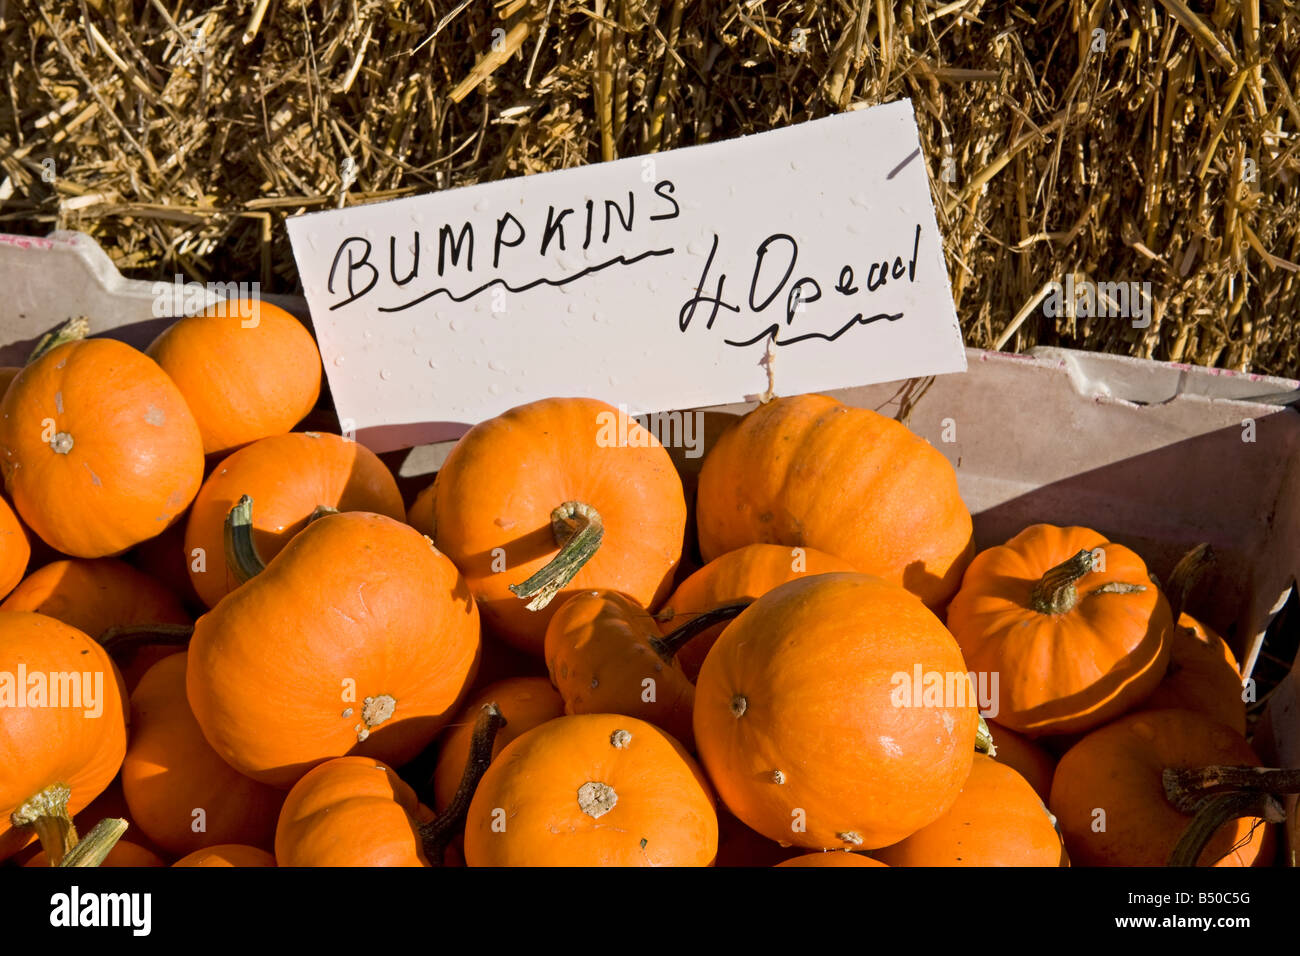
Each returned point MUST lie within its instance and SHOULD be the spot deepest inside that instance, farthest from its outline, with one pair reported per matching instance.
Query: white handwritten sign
(658, 282)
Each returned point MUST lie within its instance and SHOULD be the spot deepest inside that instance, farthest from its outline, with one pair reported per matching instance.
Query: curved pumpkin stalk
(1216, 795)
(670, 644)
(984, 739)
(578, 531)
(97, 844)
(73, 330)
(241, 552)
(438, 833)
(47, 814)
(125, 637)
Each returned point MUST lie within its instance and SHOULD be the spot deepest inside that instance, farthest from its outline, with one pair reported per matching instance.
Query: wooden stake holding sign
(660, 282)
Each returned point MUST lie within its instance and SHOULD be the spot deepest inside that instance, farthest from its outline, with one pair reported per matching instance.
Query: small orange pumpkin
(100, 450)
(172, 779)
(592, 790)
(54, 760)
(292, 478)
(997, 820)
(808, 722)
(1203, 676)
(809, 470)
(524, 702)
(358, 638)
(227, 854)
(1117, 770)
(15, 550)
(96, 595)
(1072, 625)
(247, 368)
(831, 858)
(605, 656)
(741, 575)
(350, 811)
(517, 487)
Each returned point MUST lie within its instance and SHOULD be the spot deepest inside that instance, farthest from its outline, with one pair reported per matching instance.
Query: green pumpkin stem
(1215, 795)
(578, 531)
(73, 330)
(126, 637)
(1055, 593)
(47, 814)
(438, 833)
(984, 739)
(97, 844)
(670, 644)
(241, 552)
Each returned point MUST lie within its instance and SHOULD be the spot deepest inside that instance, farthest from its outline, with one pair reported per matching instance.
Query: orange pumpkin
(420, 515)
(247, 368)
(290, 477)
(997, 820)
(354, 811)
(182, 795)
(1072, 625)
(227, 854)
(1203, 676)
(15, 550)
(54, 760)
(1025, 757)
(1108, 793)
(831, 858)
(592, 790)
(811, 471)
(350, 811)
(124, 854)
(99, 594)
(516, 487)
(741, 575)
(605, 656)
(809, 723)
(100, 450)
(524, 702)
(358, 638)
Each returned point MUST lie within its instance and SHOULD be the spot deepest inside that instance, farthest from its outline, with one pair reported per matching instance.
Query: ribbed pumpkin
(94, 595)
(15, 550)
(54, 760)
(808, 722)
(1025, 757)
(831, 858)
(996, 820)
(420, 515)
(810, 471)
(247, 368)
(289, 477)
(351, 811)
(1108, 793)
(1203, 676)
(516, 486)
(226, 855)
(592, 790)
(1071, 623)
(524, 702)
(358, 638)
(741, 575)
(181, 794)
(100, 450)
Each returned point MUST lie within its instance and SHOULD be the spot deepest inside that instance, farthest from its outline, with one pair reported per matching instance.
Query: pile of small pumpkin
(526, 646)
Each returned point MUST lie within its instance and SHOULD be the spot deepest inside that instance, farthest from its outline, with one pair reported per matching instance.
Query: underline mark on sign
(899, 168)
